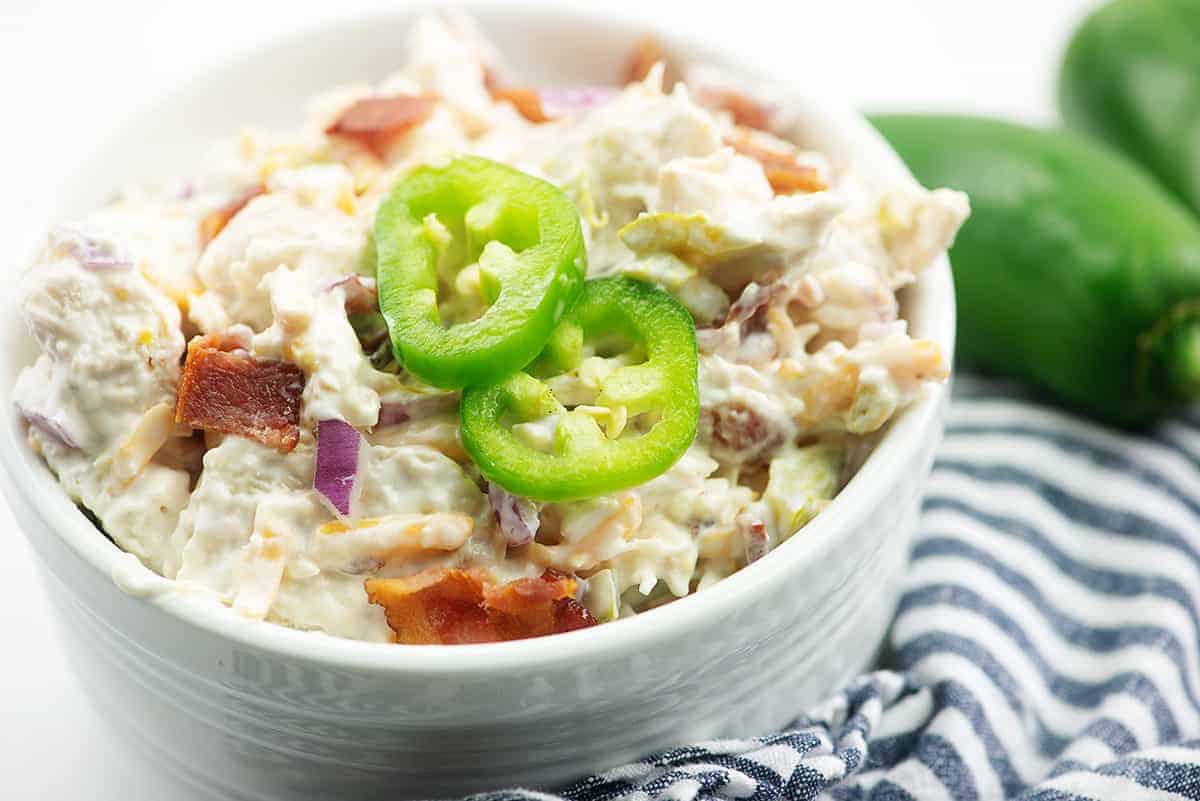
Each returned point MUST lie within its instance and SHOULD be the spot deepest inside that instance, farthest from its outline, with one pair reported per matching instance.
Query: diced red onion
(360, 292)
(394, 412)
(338, 449)
(50, 425)
(754, 537)
(518, 517)
(92, 253)
(574, 100)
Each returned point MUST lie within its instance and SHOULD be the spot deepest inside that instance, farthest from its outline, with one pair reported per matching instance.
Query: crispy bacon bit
(648, 51)
(227, 390)
(742, 333)
(754, 298)
(455, 606)
(537, 607)
(215, 221)
(738, 434)
(525, 99)
(435, 606)
(784, 173)
(745, 110)
(570, 614)
(377, 122)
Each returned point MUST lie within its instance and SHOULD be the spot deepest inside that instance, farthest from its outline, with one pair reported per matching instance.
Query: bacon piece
(784, 173)
(377, 122)
(648, 51)
(525, 99)
(738, 434)
(569, 615)
(745, 110)
(215, 221)
(434, 606)
(753, 299)
(224, 389)
(537, 607)
(456, 606)
(745, 323)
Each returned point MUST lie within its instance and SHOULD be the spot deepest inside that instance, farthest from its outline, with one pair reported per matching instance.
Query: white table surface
(68, 70)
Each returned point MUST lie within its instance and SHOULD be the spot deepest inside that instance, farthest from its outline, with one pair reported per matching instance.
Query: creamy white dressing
(300, 225)
(311, 330)
(802, 354)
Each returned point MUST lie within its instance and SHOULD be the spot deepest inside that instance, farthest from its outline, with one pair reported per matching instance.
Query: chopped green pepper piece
(584, 461)
(519, 235)
(801, 483)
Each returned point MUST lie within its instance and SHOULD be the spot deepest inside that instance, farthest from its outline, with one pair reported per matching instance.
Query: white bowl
(242, 709)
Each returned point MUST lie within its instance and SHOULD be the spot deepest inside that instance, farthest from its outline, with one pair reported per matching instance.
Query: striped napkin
(1046, 645)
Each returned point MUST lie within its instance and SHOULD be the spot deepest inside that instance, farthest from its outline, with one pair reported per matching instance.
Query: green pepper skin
(1131, 78)
(538, 274)
(1075, 270)
(585, 463)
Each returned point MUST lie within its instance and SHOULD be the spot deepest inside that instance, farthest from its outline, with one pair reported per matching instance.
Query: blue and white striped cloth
(1045, 648)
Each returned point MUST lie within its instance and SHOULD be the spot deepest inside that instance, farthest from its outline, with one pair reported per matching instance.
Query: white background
(69, 71)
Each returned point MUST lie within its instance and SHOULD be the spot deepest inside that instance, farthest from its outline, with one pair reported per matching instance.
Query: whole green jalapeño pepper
(659, 397)
(510, 243)
(1131, 77)
(1076, 270)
